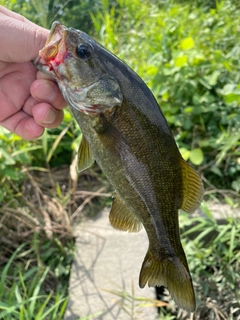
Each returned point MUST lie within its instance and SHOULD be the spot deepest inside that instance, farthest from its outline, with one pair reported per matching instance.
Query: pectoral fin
(192, 188)
(85, 156)
(122, 218)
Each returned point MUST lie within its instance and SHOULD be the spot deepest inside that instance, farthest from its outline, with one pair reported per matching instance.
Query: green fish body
(126, 133)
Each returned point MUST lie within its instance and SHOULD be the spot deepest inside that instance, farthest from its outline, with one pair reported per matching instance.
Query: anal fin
(121, 217)
(85, 156)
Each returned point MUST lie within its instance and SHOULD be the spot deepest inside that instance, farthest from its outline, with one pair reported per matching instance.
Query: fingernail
(50, 117)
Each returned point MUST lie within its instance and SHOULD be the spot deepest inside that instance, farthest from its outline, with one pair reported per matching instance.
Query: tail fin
(170, 273)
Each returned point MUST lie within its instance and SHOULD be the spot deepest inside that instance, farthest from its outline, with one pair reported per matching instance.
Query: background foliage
(189, 56)
(188, 53)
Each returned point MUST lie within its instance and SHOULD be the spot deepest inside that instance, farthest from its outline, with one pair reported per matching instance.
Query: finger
(14, 87)
(47, 116)
(11, 14)
(43, 113)
(23, 125)
(16, 33)
(48, 91)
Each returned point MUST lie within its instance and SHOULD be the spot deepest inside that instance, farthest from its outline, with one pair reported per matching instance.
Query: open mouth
(55, 33)
(54, 53)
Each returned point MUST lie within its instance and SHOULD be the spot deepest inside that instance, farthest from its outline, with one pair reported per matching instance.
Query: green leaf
(180, 61)
(12, 173)
(185, 153)
(228, 89)
(8, 159)
(187, 43)
(216, 170)
(188, 110)
(196, 156)
(205, 83)
(236, 185)
(196, 99)
(212, 79)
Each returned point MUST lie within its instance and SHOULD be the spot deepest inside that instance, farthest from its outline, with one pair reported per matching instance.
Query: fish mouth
(54, 53)
(55, 33)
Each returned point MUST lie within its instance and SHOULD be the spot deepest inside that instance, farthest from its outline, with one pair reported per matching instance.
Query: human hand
(29, 100)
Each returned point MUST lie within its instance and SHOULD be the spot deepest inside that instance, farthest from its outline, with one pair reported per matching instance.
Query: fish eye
(83, 51)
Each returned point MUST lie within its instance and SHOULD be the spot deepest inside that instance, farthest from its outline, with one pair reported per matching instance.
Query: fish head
(76, 62)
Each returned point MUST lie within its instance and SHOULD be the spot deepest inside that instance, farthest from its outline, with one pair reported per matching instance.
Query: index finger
(11, 14)
(18, 32)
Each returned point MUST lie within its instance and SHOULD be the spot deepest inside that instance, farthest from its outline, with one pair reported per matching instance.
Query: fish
(125, 132)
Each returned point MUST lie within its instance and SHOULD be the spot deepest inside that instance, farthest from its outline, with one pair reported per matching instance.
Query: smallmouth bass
(126, 133)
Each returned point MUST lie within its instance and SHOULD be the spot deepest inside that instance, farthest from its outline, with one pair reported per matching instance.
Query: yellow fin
(122, 218)
(85, 156)
(172, 274)
(192, 188)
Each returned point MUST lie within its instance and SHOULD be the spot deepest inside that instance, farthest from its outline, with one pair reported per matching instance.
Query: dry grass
(48, 202)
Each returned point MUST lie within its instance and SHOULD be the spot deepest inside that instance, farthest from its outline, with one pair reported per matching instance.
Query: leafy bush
(188, 55)
(72, 12)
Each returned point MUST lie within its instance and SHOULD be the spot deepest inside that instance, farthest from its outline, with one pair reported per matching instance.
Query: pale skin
(29, 100)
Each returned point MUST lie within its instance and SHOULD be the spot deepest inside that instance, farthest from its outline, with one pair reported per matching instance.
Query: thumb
(20, 39)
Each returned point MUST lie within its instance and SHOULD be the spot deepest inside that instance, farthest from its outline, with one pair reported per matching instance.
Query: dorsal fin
(85, 156)
(121, 217)
(192, 188)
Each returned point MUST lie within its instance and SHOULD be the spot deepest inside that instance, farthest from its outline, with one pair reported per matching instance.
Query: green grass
(34, 280)
(32, 287)
(212, 250)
